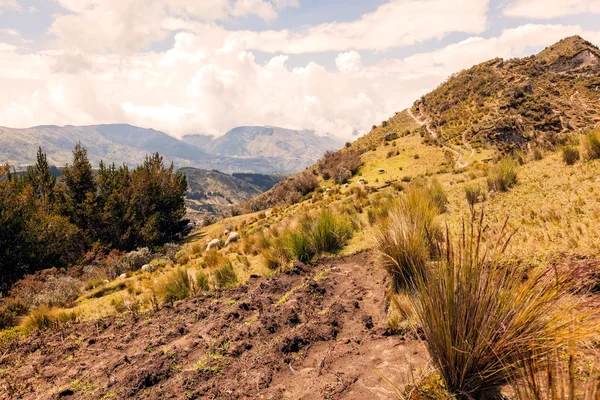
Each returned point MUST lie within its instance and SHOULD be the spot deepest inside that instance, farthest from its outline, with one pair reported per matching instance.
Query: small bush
(340, 165)
(503, 175)
(590, 146)
(570, 155)
(170, 250)
(136, 259)
(225, 276)
(175, 285)
(58, 292)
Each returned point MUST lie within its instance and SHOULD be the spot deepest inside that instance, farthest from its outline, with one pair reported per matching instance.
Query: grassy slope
(555, 207)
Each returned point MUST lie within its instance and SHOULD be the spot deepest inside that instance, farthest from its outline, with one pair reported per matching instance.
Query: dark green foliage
(41, 179)
(48, 224)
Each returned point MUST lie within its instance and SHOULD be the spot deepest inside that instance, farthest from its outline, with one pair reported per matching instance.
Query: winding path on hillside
(459, 156)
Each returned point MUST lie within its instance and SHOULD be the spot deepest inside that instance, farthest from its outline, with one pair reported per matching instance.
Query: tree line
(47, 221)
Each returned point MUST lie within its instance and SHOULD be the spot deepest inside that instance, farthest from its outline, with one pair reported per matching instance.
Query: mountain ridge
(129, 144)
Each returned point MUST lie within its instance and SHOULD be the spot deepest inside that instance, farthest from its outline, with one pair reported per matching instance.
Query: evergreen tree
(41, 179)
(78, 191)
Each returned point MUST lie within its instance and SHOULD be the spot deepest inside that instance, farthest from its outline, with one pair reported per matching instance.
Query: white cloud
(126, 26)
(393, 24)
(350, 61)
(195, 87)
(547, 9)
(9, 4)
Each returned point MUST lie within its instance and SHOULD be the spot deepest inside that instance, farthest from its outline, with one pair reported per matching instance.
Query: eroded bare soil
(308, 333)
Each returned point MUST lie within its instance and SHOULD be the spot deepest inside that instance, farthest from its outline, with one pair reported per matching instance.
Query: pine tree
(41, 179)
(78, 191)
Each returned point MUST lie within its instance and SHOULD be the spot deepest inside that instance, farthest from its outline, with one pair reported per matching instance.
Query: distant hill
(214, 192)
(286, 149)
(512, 102)
(120, 143)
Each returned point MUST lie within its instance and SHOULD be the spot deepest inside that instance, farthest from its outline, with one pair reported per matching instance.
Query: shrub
(503, 175)
(590, 146)
(340, 165)
(570, 155)
(175, 285)
(406, 235)
(136, 259)
(118, 304)
(170, 250)
(225, 276)
(58, 292)
(482, 318)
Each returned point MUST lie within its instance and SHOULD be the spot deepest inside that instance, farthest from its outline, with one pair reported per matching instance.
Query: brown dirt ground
(290, 336)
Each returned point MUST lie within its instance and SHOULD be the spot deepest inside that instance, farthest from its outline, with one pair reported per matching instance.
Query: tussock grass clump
(570, 155)
(174, 285)
(329, 233)
(225, 276)
(40, 319)
(482, 318)
(405, 236)
(590, 146)
(503, 175)
(556, 377)
(474, 195)
(299, 246)
(202, 283)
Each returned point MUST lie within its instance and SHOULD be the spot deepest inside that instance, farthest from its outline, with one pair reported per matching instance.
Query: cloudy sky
(206, 66)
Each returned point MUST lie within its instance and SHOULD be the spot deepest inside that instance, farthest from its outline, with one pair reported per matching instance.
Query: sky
(207, 66)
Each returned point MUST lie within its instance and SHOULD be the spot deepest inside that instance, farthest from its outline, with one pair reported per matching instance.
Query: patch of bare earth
(308, 333)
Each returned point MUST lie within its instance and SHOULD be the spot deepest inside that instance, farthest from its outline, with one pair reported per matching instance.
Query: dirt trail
(308, 333)
(459, 161)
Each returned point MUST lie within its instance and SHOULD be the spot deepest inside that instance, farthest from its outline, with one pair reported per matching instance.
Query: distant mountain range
(245, 149)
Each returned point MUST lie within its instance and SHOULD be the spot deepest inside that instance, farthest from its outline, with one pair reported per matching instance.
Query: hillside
(304, 304)
(513, 102)
(214, 192)
(128, 144)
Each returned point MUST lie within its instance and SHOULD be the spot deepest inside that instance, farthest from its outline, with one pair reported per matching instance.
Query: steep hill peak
(511, 103)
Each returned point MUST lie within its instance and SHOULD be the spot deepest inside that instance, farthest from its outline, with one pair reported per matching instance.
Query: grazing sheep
(146, 267)
(122, 276)
(215, 243)
(267, 213)
(226, 233)
(233, 237)
(346, 186)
